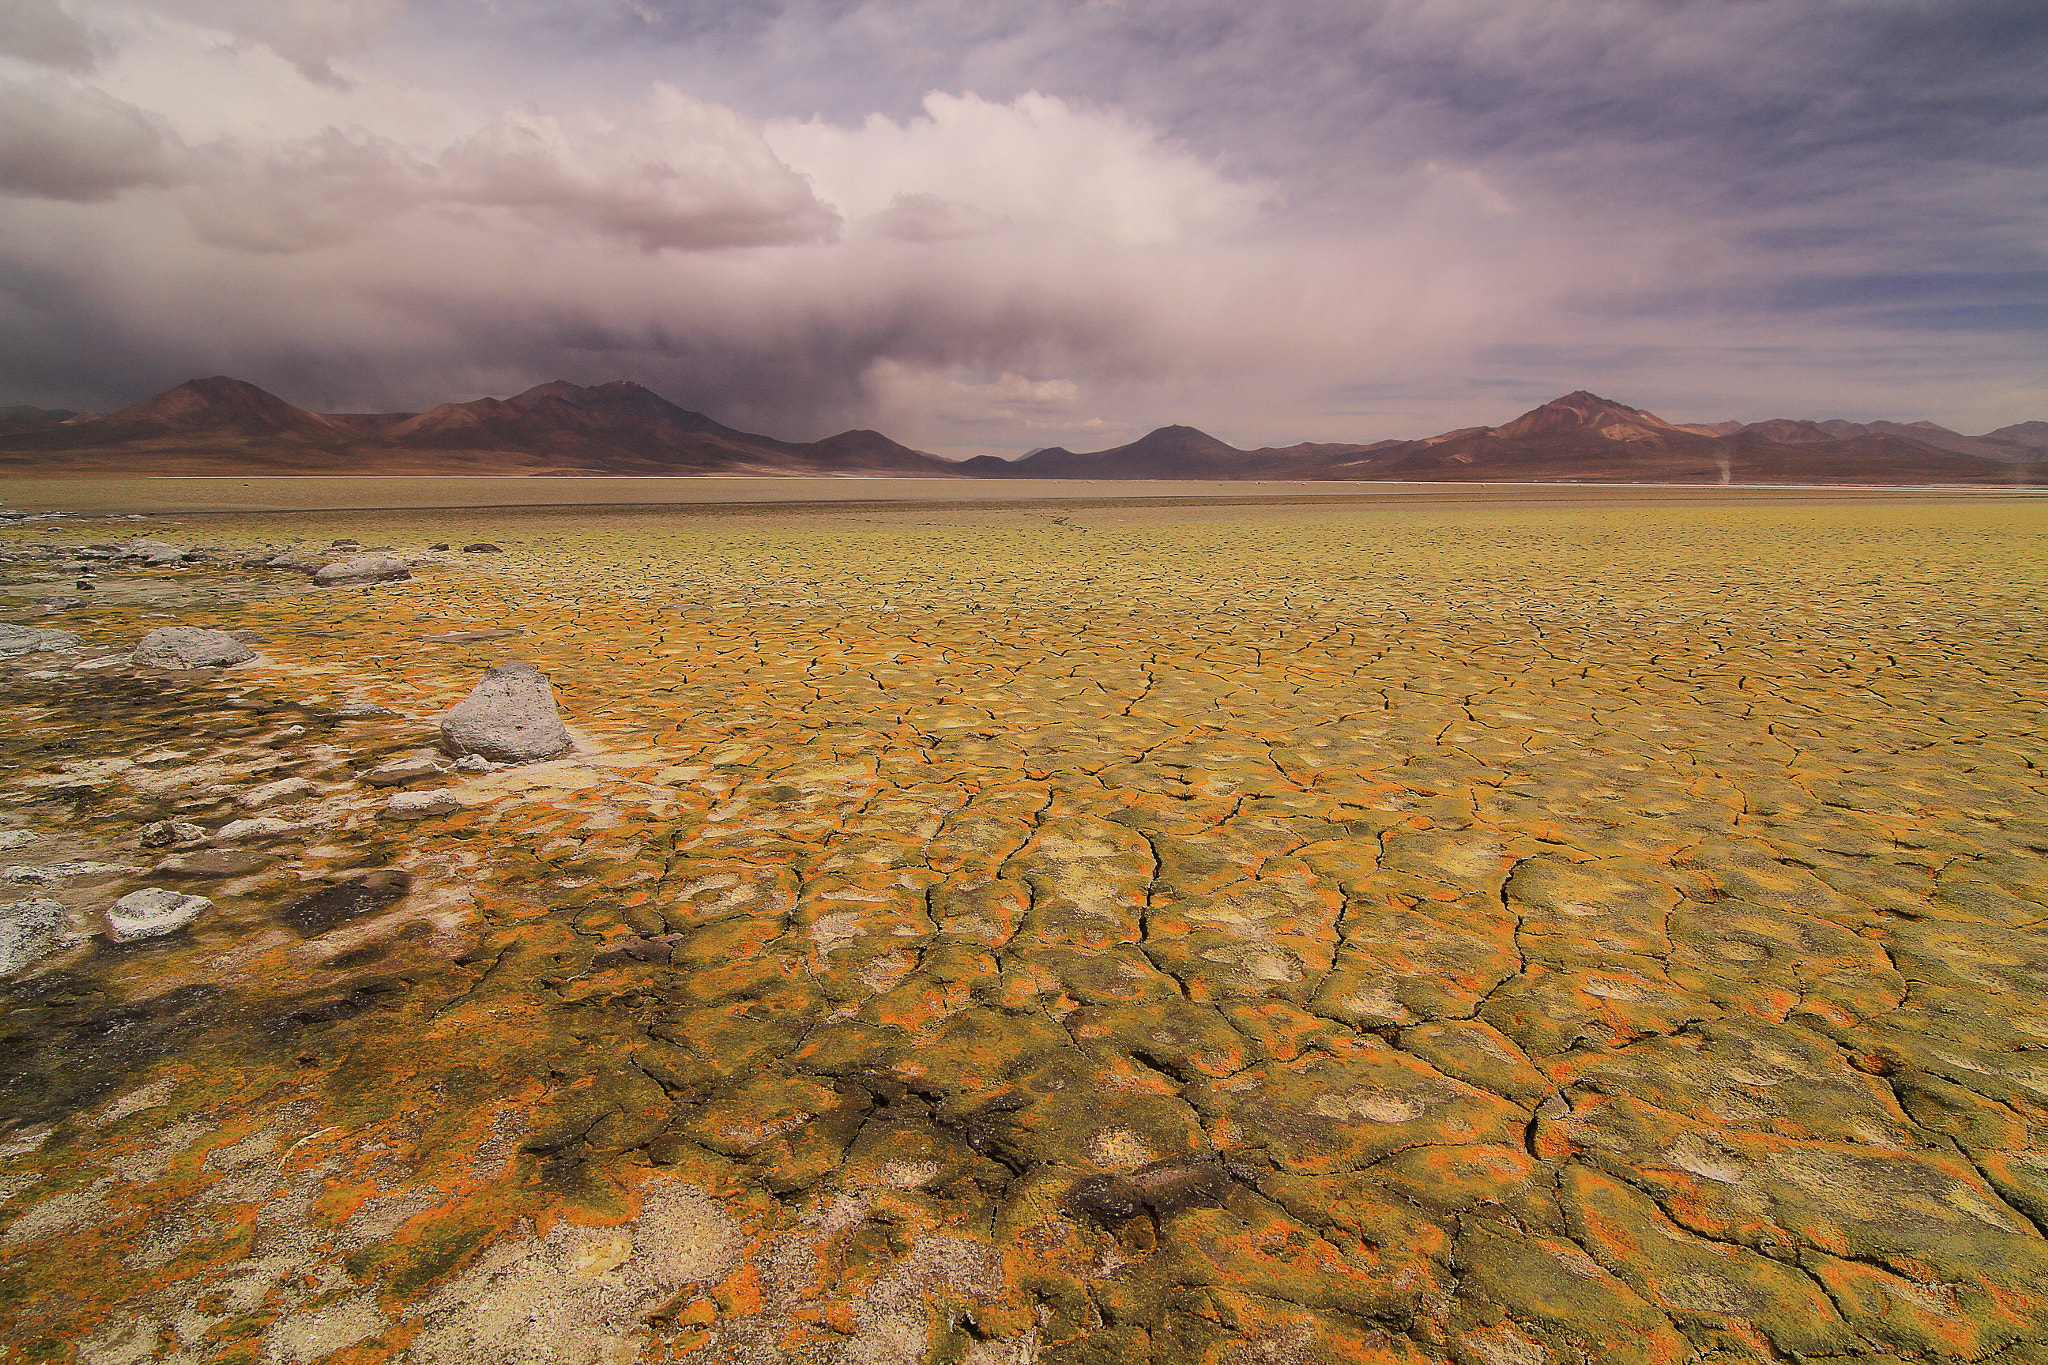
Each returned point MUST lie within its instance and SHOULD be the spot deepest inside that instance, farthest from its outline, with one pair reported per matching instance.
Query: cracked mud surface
(1466, 934)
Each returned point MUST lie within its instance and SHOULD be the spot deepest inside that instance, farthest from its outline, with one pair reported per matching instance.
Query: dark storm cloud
(1280, 220)
(58, 141)
(40, 31)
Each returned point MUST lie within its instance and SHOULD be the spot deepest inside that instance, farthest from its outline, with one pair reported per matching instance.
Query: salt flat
(1578, 925)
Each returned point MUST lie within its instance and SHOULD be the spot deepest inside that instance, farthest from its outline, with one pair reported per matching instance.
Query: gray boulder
(190, 647)
(30, 929)
(400, 771)
(417, 805)
(289, 559)
(155, 553)
(368, 569)
(255, 829)
(57, 872)
(509, 717)
(276, 793)
(16, 640)
(214, 863)
(152, 912)
(165, 833)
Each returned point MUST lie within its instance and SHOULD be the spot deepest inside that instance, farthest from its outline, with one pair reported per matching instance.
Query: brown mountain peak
(1180, 441)
(1581, 411)
(225, 406)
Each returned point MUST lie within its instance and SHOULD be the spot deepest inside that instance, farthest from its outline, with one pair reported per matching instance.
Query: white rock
(415, 805)
(151, 912)
(156, 553)
(475, 763)
(15, 838)
(57, 872)
(245, 831)
(509, 716)
(368, 569)
(190, 647)
(399, 771)
(276, 793)
(164, 833)
(30, 929)
(16, 640)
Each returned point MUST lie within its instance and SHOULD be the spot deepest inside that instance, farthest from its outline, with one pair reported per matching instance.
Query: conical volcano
(223, 407)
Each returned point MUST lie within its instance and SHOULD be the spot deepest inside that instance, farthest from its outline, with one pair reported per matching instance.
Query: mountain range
(225, 426)
(228, 426)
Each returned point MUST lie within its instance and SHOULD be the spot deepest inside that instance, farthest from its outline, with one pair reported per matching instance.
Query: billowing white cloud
(302, 196)
(307, 33)
(1035, 159)
(60, 140)
(923, 217)
(672, 172)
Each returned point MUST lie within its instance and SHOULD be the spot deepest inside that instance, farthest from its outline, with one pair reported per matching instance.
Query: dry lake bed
(1536, 928)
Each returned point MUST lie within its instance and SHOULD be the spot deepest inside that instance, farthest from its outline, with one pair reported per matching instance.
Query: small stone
(253, 830)
(154, 553)
(213, 862)
(417, 805)
(152, 912)
(400, 771)
(15, 838)
(30, 929)
(164, 833)
(482, 547)
(361, 710)
(190, 647)
(57, 872)
(510, 717)
(345, 541)
(87, 585)
(289, 732)
(368, 569)
(276, 793)
(16, 640)
(438, 545)
(290, 559)
(475, 763)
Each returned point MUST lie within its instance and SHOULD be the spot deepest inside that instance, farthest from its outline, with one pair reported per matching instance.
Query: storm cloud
(991, 228)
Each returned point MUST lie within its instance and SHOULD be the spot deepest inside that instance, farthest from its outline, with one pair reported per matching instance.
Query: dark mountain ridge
(1580, 437)
(227, 426)
(221, 425)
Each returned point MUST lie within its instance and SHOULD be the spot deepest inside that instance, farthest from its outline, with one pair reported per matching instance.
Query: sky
(986, 228)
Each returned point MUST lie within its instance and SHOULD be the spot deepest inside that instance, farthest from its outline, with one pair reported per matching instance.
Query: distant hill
(1168, 453)
(2022, 433)
(21, 417)
(1580, 437)
(1585, 438)
(225, 426)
